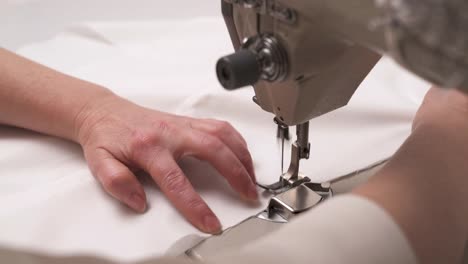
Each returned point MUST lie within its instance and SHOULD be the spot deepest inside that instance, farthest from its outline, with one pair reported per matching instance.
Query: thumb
(116, 179)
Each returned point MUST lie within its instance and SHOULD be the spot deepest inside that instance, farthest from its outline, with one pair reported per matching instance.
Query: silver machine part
(311, 55)
(271, 56)
(282, 137)
(281, 209)
(299, 150)
(328, 47)
(306, 58)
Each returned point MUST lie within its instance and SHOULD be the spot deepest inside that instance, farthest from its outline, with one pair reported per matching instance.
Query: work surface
(51, 203)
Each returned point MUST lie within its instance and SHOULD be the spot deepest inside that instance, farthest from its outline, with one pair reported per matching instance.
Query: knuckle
(238, 171)
(174, 181)
(140, 139)
(161, 126)
(114, 181)
(196, 204)
(212, 143)
(223, 127)
(188, 123)
(245, 157)
(149, 160)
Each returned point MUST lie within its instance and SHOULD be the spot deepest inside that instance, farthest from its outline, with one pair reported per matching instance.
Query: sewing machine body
(310, 85)
(306, 58)
(301, 60)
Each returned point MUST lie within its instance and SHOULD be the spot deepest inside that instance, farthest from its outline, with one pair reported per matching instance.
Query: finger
(231, 137)
(174, 184)
(225, 126)
(117, 179)
(209, 148)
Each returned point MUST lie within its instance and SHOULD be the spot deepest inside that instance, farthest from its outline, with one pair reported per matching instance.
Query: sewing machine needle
(282, 134)
(282, 154)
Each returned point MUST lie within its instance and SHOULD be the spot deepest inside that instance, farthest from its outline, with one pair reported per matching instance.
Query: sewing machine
(306, 58)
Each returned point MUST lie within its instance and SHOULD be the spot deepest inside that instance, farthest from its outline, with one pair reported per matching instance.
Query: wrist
(90, 112)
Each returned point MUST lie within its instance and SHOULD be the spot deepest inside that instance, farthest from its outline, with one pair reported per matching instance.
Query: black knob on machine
(238, 70)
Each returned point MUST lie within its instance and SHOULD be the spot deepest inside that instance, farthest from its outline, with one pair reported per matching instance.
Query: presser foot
(299, 150)
(283, 185)
(280, 210)
(296, 200)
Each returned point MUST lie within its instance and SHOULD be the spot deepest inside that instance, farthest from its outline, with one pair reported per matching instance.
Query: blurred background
(26, 21)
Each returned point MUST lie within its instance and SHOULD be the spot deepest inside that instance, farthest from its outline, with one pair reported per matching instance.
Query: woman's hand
(118, 136)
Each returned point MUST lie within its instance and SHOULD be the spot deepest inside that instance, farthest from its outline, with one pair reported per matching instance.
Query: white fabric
(367, 236)
(363, 233)
(26, 21)
(51, 203)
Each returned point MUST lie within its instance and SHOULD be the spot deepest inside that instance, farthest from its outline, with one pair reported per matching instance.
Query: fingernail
(137, 202)
(252, 193)
(211, 224)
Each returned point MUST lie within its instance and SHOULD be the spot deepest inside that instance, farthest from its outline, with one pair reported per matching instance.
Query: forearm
(38, 98)
(424, 188)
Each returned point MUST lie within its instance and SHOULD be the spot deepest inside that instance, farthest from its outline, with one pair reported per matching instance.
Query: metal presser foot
(300, 150)
(294, 194)
(281, 209)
